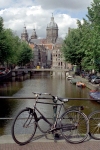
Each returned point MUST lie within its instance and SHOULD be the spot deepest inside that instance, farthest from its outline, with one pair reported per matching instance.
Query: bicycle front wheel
(24, 126)
(94, 124)
(74, 126)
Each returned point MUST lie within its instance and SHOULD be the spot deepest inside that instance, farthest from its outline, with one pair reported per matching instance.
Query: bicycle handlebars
(55, 98)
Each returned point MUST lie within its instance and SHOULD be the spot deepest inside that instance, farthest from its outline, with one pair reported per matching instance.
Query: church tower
(52, 31)
(24, 35)
(34, 35)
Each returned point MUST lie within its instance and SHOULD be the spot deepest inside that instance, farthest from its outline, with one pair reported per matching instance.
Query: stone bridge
(53, 72)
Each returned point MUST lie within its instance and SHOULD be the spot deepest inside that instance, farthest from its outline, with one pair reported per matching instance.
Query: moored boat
(69, 77)
(5, 75)
(95, 95)
(80, 84)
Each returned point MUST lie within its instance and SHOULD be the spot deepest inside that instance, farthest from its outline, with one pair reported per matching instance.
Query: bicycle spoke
(24, 127)
(94, 122)
(77, 123)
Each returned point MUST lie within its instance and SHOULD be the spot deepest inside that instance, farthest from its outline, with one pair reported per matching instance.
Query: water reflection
(24, 86)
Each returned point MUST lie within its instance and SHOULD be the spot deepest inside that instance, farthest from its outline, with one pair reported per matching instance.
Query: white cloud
(64, 21)
(4, 3)
(37, 14)
(15, 3)
(66, 4)
(47, 4)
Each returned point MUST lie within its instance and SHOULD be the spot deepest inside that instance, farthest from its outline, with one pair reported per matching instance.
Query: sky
(36, 14)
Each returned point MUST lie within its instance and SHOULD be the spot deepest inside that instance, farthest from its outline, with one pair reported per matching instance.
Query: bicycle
(73, 124)
(94, 124)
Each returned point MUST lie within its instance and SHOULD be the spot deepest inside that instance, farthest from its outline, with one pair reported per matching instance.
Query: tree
(82, 45)
(72, 48)
(13, 44)
(94, 18)
(3, 45)
(86, 43)
(25, 54)
(94, 13)
(12, 49)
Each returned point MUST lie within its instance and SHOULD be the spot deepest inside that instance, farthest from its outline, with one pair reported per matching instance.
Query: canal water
(24, 86)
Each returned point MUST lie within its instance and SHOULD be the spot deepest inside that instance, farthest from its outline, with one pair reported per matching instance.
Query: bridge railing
(43, 98)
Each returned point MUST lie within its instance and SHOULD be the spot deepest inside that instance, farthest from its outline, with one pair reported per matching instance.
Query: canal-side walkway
(7, 143)
(88, 84)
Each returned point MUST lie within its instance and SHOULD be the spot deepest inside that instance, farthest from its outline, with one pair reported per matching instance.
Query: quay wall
(89, 85)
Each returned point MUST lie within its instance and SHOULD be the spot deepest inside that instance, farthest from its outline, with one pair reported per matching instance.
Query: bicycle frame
(69, 122)
(53, 125)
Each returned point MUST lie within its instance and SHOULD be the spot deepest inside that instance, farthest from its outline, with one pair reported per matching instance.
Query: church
(47, 51)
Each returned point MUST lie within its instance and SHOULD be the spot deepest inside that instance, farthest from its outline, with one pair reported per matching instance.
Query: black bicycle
(73, 124)
(94, 124)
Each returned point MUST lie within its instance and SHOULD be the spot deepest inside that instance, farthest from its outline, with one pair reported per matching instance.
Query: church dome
(52, 24)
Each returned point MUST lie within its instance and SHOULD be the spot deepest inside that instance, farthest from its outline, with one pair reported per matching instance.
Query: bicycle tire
(74, 126)
(24, 126)
(94, 124)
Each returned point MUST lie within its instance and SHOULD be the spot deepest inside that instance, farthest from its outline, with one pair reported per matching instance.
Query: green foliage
(12, 49)
(82, 45)
(25, 54)
(94, 12)
(12, 42)
(3, 45)
(1, 24)
(72, 48)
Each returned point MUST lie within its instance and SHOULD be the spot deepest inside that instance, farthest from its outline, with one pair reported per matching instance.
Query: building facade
(47, 51)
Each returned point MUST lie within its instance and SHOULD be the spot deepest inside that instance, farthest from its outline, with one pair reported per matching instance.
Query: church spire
(24, 30)
(52, 18)
(24, 35)
(34, 35)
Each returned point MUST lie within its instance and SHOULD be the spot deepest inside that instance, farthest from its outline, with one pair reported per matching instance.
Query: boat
(95, 95)
(69, 77)
(80, 84)
(5, 74)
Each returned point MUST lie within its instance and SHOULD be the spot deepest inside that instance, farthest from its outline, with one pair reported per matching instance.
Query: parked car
(91, 76)
(85, 74)
(96, 80)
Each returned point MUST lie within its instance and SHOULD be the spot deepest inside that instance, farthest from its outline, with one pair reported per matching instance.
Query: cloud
(4, 3)
(37, 14)
(15, 3)
(69, 5)
(64, 4)
(16, 18)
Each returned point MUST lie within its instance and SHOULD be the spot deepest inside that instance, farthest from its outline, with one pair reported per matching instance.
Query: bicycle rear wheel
(74, 126)
(94, 124)
(24, 126)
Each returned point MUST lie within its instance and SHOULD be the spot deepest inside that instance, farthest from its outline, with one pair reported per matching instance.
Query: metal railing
(11, 97)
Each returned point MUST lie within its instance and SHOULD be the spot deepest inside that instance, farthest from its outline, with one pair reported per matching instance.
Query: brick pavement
(6, 143)
(89, 145)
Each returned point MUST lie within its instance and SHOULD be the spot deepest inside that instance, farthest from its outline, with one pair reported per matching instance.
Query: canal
(24, 86)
